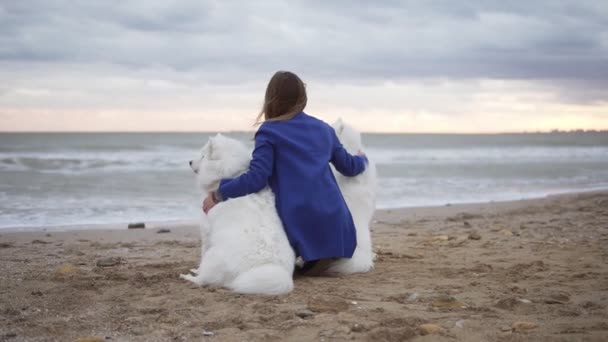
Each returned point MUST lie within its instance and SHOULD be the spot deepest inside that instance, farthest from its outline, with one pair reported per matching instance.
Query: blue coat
(293, 157)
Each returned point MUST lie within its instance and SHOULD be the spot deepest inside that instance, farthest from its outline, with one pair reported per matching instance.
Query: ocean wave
(175, 157)
(82, 162)
(415, 192)
(487, 155)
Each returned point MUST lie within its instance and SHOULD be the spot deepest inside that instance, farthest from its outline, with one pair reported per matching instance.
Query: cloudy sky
(386, 66)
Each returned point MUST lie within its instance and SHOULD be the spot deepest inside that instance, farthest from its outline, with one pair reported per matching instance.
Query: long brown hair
(285, 97)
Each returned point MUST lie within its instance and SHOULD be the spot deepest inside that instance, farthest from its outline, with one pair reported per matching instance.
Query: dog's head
(348, 136)
(220, 158)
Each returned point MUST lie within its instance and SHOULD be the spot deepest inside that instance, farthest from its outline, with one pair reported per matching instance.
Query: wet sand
(530, 270)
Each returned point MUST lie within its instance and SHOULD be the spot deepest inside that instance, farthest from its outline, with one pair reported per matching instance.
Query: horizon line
(553, 131)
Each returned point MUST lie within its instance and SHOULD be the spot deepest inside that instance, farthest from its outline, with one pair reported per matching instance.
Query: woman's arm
(344, 162)
(256, 178)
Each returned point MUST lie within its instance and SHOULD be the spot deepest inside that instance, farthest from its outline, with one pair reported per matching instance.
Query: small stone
(358, 327)
(508, 303)
(558, 298)
(474, 236)
(137, 225)
(66, 270)
(446, 302)
(354, 302)
(163, 231)
(305, 313)
(505, 328)
(459, 324)
(36, 293)
(524, 326)
(482, 268)
(89, 339)
(39, 242)
(109, 261)
(324, 304)
(410, 256)
(525, 301)
(466, 224)
(208, 333)
(506, 232)
(429, 329)
(441, 238)
(413, 297)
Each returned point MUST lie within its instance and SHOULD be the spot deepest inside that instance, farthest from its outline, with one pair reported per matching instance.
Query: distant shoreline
(556, 132)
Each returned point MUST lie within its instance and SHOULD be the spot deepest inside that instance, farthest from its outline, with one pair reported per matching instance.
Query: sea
(65, 179)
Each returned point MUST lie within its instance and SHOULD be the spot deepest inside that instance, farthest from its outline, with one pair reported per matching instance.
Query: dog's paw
(190, 278)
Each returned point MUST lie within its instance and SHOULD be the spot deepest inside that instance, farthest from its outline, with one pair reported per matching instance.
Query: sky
(383, 66)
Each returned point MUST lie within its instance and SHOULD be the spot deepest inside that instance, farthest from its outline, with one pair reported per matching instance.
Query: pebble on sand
(136, 225)
(109, 261)
(506, 232)
(524, 326)
(66, 270)
(429, 329)
(446, 302)
(89, 339)
(163, 230)
(332, 305)
(441, 238)
(358, 327)
(305, 313)
(474, 236)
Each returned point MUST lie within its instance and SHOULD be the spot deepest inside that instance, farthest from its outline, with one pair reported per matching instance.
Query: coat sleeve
(344, 162)
(260, 169)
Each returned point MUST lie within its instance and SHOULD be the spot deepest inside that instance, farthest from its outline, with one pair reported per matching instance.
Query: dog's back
(360, 195)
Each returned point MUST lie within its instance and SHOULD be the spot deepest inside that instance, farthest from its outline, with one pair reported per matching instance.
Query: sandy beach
(529, 270)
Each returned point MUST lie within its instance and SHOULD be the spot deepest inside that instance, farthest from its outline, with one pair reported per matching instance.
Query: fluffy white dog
(360, 195)
(244, 246)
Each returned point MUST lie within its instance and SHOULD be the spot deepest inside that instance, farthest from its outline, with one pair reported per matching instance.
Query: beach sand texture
(530, 270)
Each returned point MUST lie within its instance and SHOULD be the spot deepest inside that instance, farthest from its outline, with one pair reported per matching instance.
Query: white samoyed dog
(244, 246)
(360, 195)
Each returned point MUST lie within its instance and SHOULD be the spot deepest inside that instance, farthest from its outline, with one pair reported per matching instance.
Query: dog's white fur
(244, 246)
(360, 195)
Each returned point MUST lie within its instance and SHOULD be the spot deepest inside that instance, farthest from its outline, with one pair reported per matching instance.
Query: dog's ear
(213, 147)
(339, 126)
(210, 149)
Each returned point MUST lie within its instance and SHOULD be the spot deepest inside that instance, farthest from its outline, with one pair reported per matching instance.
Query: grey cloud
(345, 40)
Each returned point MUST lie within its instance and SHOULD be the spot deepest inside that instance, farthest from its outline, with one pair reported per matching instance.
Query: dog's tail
(266, 279)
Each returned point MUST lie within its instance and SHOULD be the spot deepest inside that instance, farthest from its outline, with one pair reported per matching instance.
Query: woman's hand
(208, 203)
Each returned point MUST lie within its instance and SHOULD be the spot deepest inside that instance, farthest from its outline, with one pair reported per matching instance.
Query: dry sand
(533, 270)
